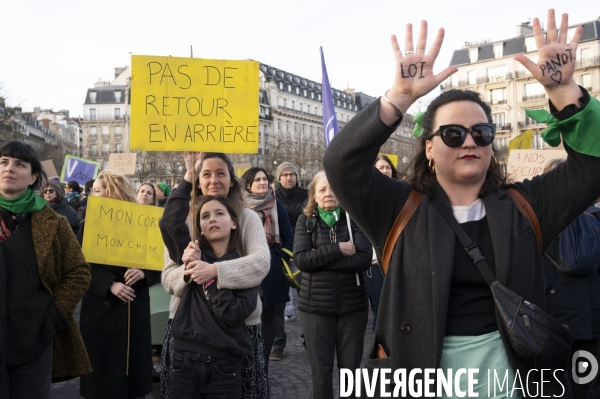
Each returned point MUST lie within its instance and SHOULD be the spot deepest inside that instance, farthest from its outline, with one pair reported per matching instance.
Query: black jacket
(213, 323)
(329, 284)
(294, 200)
(573, 299)
(412, 313)
(64, 209)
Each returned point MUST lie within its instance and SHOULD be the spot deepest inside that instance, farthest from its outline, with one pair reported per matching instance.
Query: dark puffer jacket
(329, 278)
(293, 200)
(573, 299)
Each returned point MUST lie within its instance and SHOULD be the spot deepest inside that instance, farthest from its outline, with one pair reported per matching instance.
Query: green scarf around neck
(330, 217)
(28, 202)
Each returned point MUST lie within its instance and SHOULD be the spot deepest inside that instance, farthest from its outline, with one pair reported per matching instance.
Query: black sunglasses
(49, 191)
(455, 135)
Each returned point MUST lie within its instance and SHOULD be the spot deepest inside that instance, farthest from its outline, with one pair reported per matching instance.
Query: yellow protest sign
(241, 168)
(522, 141)
(189, 104)
(122, 233)
(392, 157)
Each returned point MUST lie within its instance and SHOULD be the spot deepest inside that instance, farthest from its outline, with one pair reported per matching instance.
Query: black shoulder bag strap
(471, 248)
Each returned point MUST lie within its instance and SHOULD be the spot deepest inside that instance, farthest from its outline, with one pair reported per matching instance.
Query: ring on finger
(420, 51)
(409, 52)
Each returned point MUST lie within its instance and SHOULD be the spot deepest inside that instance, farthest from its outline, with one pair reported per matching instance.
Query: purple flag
(330, 124)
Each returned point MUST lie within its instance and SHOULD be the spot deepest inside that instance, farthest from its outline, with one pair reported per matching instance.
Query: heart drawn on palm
(556, 76)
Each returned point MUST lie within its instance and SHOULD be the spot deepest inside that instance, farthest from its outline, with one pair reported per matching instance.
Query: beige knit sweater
(245, 272)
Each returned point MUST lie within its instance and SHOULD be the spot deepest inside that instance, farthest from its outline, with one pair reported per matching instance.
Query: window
(297, 90)
(117, 113)
(586, 81)
(498, 50)
(497, 96)
(117, 96)
(285, 103)
(118, 132)
(499, 119)
(570, 34)
(106, 148)
(287, 126)
(93, 114)
(304, 92)
(534, 91)
(118, 147)
(281, 86)
(93, 150)
(105, 132)
(473, 54)
(92, 97)
(93, 132)
(312, 95)
(586, 57)
(293, 104)
(472, 77)
(454, 79)
(289, 87)
(319, 97)
(308, 109)
(530, 44)
(496, 74)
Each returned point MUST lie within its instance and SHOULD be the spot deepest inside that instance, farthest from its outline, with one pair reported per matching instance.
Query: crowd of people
(227, 238)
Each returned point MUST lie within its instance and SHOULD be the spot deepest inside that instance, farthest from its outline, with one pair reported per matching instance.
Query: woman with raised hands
(215, 175)
(436, 309)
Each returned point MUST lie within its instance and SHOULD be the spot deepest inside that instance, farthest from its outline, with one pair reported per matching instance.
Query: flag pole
(330, 124)
(128, 335)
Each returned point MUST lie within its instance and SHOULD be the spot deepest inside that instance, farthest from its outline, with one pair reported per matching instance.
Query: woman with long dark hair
(261, 198)
(214, 176)
(437, 310)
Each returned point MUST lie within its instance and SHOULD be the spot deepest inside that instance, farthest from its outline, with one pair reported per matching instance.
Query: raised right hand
(414, 76)
(193, 163)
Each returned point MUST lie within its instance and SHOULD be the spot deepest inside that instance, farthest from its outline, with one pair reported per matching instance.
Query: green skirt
(486, 353)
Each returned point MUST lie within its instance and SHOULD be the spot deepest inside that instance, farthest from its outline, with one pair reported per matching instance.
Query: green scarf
(329, 217)
(28, 202)
(579, 131)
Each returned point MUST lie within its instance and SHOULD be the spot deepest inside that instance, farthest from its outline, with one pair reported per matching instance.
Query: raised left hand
(556, 60)
(132, 276)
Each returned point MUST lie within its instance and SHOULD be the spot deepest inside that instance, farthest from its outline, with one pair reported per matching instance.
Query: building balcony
(93, 138)
(523, 74)
(497, 102)
(88, 118)
(105, 153)
(588, 62)
(534, 97)
(117, 137)
(506, 126)
(105, 137)
(93, 154)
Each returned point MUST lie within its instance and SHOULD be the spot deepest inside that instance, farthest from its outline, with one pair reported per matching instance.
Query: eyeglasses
(49, 191)
(455, 135)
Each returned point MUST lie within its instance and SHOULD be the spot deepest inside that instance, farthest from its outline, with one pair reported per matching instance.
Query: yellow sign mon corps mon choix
(192, 104)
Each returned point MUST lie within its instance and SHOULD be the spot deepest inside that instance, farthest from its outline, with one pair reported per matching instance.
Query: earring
(493, 163)
(431, 166)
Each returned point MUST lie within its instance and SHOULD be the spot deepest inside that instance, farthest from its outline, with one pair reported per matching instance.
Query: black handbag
(537, 338)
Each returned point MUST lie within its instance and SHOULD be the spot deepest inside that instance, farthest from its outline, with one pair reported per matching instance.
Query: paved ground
(290, 378)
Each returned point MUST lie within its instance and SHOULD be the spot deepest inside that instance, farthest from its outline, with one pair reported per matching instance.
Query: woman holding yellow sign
(117, 337)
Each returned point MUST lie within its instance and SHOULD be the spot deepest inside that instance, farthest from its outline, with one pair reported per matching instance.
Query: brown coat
(66, 276)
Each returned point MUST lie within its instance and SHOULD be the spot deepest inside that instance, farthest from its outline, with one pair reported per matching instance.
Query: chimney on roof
(46, 123)
(118, 71)
(352, 92)
(525, 28)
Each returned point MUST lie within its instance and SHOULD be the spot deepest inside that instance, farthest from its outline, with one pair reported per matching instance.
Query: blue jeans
(31, 380)
(199, 378)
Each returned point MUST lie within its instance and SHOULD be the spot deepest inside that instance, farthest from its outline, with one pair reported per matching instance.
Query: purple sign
(79, 169)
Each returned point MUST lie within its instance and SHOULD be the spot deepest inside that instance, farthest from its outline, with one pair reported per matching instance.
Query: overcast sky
(52, 52)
